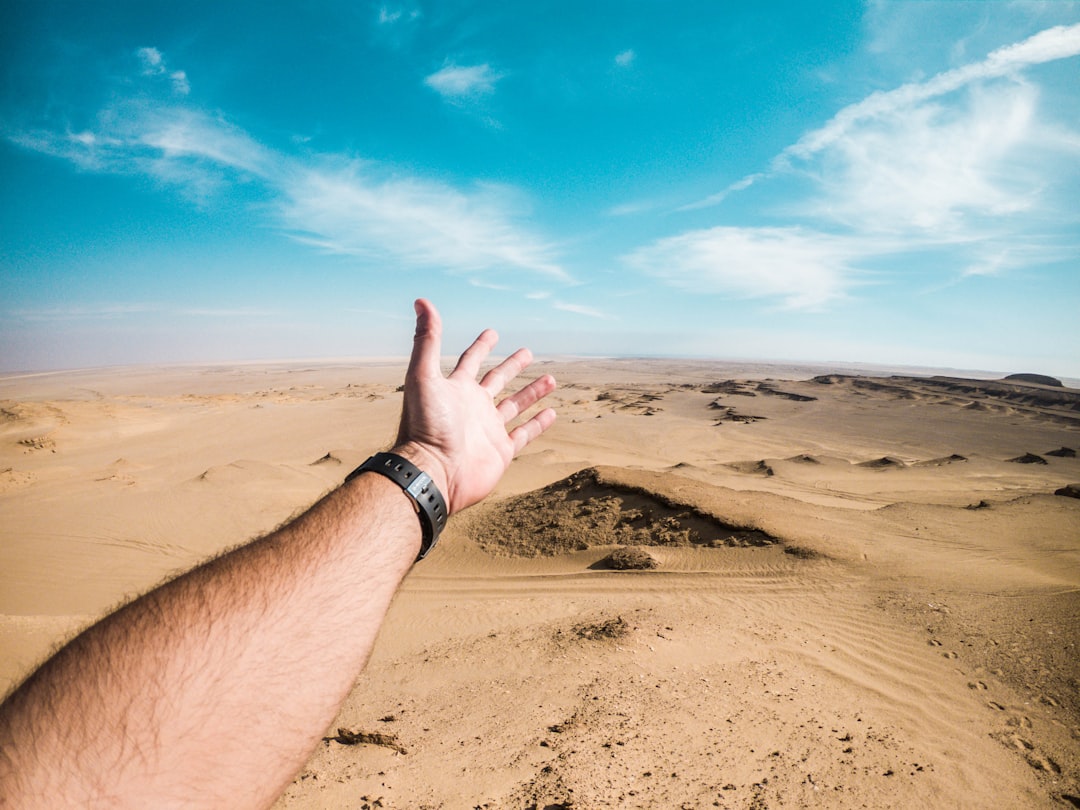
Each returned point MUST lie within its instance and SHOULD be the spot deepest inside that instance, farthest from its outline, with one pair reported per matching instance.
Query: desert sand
(844, 590)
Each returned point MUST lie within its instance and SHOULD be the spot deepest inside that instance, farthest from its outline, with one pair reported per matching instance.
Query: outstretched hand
(452, 427)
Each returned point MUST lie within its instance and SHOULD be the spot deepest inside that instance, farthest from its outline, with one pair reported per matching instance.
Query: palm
(455, 420)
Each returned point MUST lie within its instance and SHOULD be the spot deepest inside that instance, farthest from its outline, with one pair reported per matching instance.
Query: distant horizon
(539, 360)
(893, 181)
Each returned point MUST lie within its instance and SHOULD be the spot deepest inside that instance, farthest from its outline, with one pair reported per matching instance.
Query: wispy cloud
(389, 16)
(802, 268)
(962, 162)
(118, 311)
(581, 309)
(153, 64)
(350, 210)
(340, 205)
(223, 312)
(89, 312)
(625, 58)
(152, 61)
(457, 82)
(846, 129)
(1060, 42)
(180, 83)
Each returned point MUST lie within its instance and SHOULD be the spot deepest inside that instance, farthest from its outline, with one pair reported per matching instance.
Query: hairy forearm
(215, 688)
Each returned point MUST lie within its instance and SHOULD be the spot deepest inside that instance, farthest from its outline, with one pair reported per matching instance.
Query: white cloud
(179, 133)
(581, 309)
(625, 58)
(337, 205)
(180, 83)
(87, 312)
(456, 82)
(487, 285)
(738, 185)
(388, 16)
(409, 220)
(805, 269)
(631, 208)
(1055, 43)
(934, 170)
(153, 64)
(962, 163)
(152, 61)
(240, 312)
(882, 109)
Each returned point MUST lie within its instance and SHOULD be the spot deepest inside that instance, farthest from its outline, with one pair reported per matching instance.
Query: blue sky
(883, 182)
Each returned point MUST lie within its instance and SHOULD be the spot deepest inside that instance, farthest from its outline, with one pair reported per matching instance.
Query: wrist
(428, 461)
(421, 488)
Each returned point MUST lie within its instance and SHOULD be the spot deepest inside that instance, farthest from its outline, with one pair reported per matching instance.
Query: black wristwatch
(418, 486)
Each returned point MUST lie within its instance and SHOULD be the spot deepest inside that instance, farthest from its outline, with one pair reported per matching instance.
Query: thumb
(427, 342)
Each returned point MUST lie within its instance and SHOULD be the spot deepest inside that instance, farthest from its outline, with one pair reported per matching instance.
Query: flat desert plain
(836, 590)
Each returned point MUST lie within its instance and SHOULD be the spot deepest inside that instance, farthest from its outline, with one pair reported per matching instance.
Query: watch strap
(418, 486)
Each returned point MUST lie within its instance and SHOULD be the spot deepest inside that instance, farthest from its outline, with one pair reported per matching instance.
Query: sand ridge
(860, 598)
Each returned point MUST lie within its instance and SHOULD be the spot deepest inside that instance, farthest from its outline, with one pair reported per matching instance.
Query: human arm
(213, 689)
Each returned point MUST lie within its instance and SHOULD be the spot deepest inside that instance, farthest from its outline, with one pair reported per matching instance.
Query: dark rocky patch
(955, 458)
(883, 463)
(1069, 491)
(1062, 452)
(802, 552)
(728, 387)
(347, 737)
(731, 415)
(611, 628)
(1038, 379)
(767, 389)
(629, 558)
(587, 510)
(1028, 458)
(759, 467)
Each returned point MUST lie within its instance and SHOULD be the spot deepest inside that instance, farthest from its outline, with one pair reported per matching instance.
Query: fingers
(469, 363)
(523, 434)
(496, 379)
(427, 343)
(528, 396)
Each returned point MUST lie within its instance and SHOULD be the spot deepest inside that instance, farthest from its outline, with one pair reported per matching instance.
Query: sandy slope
(859, 600)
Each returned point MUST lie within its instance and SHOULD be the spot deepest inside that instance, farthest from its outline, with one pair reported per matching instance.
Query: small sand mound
(1062, 452)
(1028, 458)
(329, 458)
(883, 463)
(629, 558)
(591, 508)
(955, 458)
(33, 443)
(759, 467)
(804, 458)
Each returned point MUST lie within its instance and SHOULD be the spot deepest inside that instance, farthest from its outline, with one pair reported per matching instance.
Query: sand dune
(855, 596)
